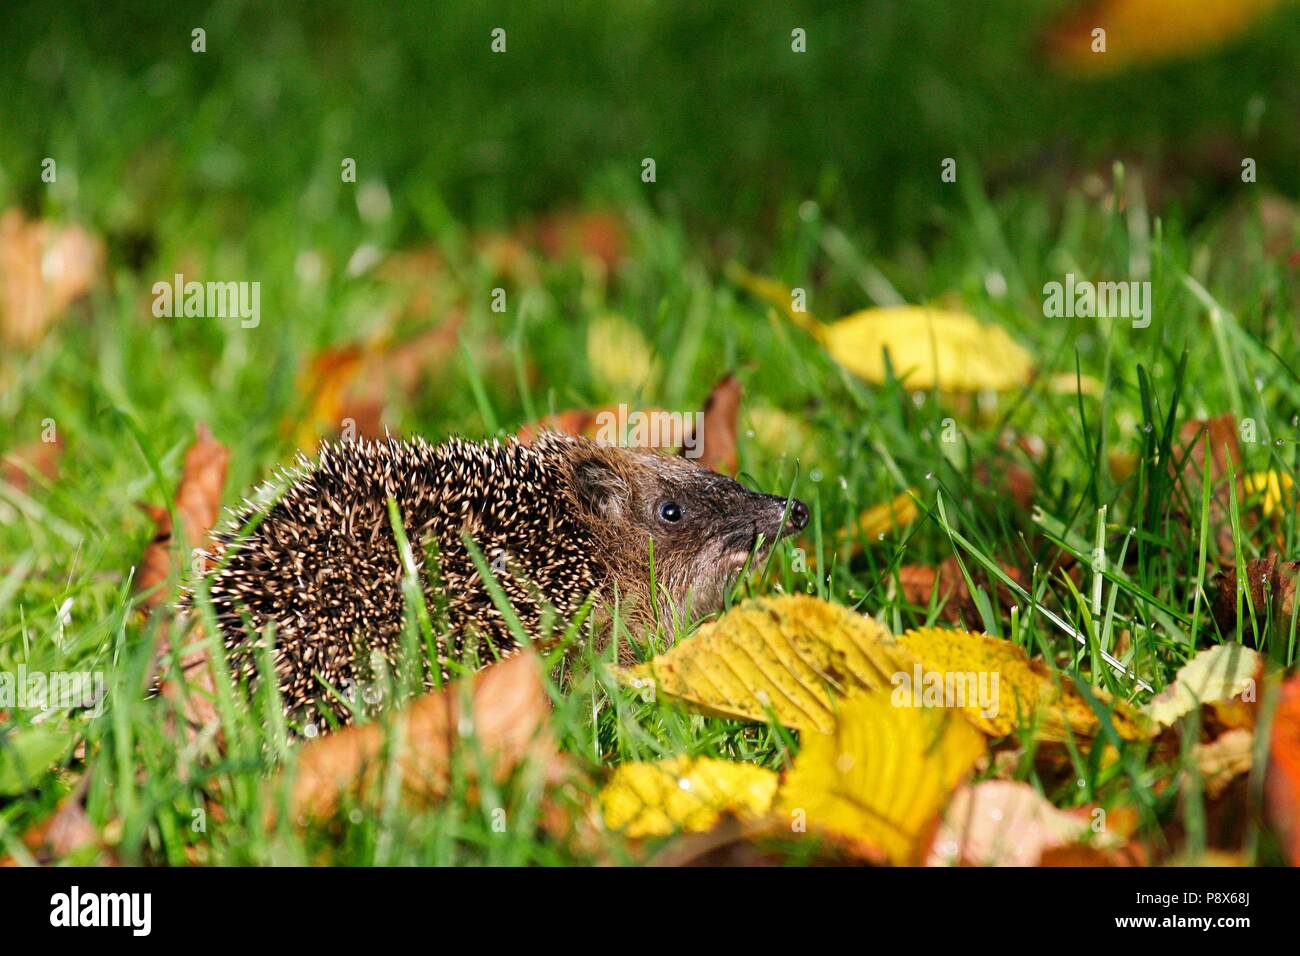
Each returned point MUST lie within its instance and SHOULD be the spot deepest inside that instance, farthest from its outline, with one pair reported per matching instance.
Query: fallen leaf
(1218, 673)
(792, 656)
(1002, 823)
(1282, 781)
(684, 793)
(781, 434)
(1275, 490)
(347, 389)
(574, 421)
(643, 428)
(599, 236)
(928, 348)
(878, 520)
(44, 268)
(619, 356)
(1271, 583)
(957, 604)
(1007, 478)
(1079, 854)
(775, 294)
(1223, 759)
(1220, 435)
(508, 714)
(418, 280)
(39, 459)
(1214, 439)
(198, 504)
(66, 831)
(717, 449)
(507, 255)
(595, 237)
(1233, 714)
(1015, 690)
(1148, 31)
(879, 780)
(1121, 464)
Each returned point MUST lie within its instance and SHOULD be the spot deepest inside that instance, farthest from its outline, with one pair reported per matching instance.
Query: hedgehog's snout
(798, 519)
(792, 510)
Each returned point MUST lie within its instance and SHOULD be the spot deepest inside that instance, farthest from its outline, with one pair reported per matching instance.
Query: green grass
(125, 391)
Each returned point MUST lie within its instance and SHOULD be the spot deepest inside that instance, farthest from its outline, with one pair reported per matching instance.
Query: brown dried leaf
(579, 422)
(721, 411)
(419, 276)
(1078, 854)
(1216, 438)
(39, 458)
(66, 830)
(198, 503)
(1223, 759)
(348, 388)
(601, 424)
(1002, 823)
(917, 582)
(1220, 434)
(598, 236)
(1271, 582)
(44, 268)
(509, 713)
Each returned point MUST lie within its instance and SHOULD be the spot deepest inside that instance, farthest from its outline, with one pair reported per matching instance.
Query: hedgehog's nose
(798, 515)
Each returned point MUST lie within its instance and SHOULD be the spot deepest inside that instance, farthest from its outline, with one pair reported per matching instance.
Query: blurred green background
(739, 125)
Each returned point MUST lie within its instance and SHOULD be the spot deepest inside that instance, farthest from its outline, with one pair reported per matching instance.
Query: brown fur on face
(631, 497)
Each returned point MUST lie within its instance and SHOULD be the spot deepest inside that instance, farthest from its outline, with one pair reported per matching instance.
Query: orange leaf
(44, 268)
(39, 458)
(1282, 783)
(1148, 31)
(508, 714)
(721, 410)
(198, 504)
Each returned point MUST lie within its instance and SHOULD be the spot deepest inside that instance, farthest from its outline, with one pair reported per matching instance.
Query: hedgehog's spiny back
(324, 568)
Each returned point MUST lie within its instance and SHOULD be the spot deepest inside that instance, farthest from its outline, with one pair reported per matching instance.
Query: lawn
(1071, 510)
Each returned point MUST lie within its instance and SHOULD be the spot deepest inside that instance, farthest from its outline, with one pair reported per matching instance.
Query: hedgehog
(557, 522)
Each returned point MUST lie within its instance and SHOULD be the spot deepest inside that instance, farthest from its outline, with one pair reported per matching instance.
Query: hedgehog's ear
(600, 489)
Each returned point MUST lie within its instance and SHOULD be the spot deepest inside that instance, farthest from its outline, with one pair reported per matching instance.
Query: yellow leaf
(1000, 689)
(1215, 674)
(780, 433)
(1224, 759)
(619, 356)
(1070, 383)
(1148, 31)
(955, 662)
(1274, 487)
(774, 294)
(683, 793)
(876, 521)
(791, 656)
(928, 348)
(1122, 464)
(880, 780)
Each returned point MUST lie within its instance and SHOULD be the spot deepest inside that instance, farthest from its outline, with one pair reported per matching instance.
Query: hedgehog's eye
(670, 511)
